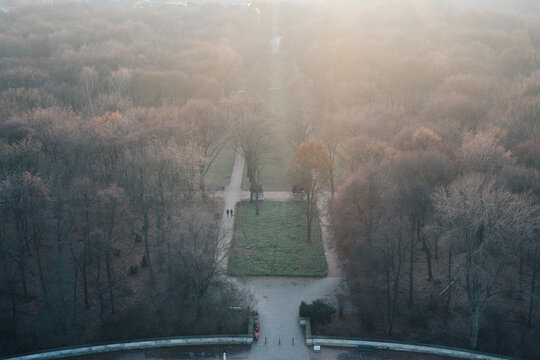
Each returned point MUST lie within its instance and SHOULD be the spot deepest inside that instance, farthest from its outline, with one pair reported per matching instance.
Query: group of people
(230, 212)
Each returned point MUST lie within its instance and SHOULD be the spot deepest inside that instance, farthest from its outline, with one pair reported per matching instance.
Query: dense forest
(111, 118)
(432, 119)
(109, 121)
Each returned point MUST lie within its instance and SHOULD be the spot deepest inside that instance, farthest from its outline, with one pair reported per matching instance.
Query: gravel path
(278, 301)
(278, 298)
(231, 195)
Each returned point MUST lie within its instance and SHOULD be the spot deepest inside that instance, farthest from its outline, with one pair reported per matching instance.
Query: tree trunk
(520, 272)
(449, 299)
(13, 310)
(475, 323)
(251, 180)
(109, 280)
(60, 275)
(388, 300)
(309, 231)
(427, 251)
(147, 246)
(531, 296)
(85, 262)
(11, 290)
(257, 202)
(22, 265)
(201, 179)
(100, 292)
(411, 268)
(23, 275)
(309, 218)
(332, 180)
(85, 286)
(169, 266)
(394, 301)
(74, 302)
(159, 252)
(257, 188)
(40, 270)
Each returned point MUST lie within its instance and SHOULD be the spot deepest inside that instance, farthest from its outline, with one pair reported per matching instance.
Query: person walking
(227, 212)
(231, 212)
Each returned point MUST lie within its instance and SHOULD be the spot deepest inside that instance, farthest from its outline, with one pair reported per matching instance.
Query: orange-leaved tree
(309, 170)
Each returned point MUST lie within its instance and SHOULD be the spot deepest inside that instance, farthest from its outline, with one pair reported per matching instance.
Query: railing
(73, 351)
(396, 346)
(136, 345)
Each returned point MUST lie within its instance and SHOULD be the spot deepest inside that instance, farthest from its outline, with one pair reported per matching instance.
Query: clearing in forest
(274, 243)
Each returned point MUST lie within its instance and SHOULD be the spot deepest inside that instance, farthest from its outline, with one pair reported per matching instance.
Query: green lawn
(221, 169)
(274, 243)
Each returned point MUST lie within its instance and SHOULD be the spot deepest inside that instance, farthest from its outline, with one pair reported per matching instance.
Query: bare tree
(253, 134)
(483, 222)
(416, 175)
(82, 201)
(533, 298)
(89, 78)
(330, 132)
(372, 236)
(483, 153)
(359, 150)
(302, 117)
(112, 203)
(394, 251)
(357, 210)
(195, 257)
(207, 129)
(309, 170)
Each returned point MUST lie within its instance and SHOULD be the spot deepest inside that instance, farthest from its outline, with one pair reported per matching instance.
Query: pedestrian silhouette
(227, 212)
(231, 212)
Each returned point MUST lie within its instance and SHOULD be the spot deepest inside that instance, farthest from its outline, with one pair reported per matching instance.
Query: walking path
(231, 195)
(278, 298)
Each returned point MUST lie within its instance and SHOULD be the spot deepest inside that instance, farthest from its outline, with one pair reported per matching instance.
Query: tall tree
(206, 128)
(251, 116)
(393, 247)
(330, 132)
(302, 116)
(89, 79)
(111, 202)
(309, 170)
(82, 201)
(359, 150)
(416, 175)
(484, 223)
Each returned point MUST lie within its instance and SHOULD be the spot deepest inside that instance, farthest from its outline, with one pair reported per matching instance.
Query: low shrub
(319, 311)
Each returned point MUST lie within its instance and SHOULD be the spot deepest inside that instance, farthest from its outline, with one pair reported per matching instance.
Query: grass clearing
(274, 243)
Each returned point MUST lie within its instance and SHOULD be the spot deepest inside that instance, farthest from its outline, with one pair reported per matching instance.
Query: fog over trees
(110, 121)
(420, 120)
